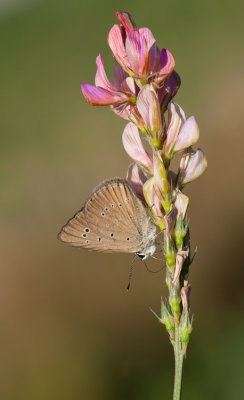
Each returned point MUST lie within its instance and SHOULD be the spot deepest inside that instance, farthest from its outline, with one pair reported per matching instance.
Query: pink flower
(192, 165)
(136, 178)
(153, 198)
(104, 93)
(181, 133)
(149, 108)
(137, 53)
(134, 147)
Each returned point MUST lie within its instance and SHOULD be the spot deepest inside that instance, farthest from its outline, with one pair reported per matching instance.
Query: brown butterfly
(113, 220)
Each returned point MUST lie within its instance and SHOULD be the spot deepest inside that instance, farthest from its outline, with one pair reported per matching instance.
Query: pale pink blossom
(134, 147)
(149, 108)
(153, 197)
(192, 165)
(136, 178)
(181, 203)
(181, 133)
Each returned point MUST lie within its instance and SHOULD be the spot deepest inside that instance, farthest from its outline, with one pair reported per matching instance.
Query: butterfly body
(113, 219)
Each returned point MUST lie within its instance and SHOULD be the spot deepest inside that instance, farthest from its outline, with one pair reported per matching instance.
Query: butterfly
(112, 220)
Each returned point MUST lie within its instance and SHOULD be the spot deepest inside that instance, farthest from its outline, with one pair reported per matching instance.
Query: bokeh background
(69, 329)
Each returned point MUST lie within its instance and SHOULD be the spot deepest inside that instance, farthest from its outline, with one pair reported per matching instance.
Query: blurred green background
(68, 328)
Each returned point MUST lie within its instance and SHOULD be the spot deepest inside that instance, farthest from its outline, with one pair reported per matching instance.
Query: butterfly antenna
(149, 270)
(131, 272)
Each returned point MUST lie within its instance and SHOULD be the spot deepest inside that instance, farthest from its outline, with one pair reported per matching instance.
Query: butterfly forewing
(112, 220)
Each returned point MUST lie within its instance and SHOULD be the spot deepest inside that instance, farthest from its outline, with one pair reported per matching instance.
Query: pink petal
(116, 44)
(136, 178)
(143, 58)
(167, 64)
(119, 75)
(123, 82)
(176, 118)
(181, 203)
(101, 78)
(148, 107)
(196, 165)
(126, 111)
(101, 97)
(153, 51)
(152, 197)
(126, 21)
(188, 135)
(168, 91)
(142, 52)
(134, 147)
(133, 47)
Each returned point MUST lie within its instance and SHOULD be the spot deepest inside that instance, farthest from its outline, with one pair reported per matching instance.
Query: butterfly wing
(112, 220)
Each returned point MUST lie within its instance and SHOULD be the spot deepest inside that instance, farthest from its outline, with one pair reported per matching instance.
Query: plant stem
(178, 364)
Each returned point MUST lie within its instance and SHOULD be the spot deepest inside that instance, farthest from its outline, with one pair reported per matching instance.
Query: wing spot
(106, 208)
(99, 239)
(102, 214)
(84, 235)
(112, 205)
(87, 241)
(111, 234)
(128, 238)
(120, 205)
(87, 230)
(127, 199)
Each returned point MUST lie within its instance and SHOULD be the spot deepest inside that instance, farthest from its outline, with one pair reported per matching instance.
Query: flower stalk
(145, 83)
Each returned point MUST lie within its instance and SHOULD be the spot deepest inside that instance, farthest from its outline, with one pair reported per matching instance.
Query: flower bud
(169, 252)
(174, 301)
(180, 231)
(167, 319)
(185, 328)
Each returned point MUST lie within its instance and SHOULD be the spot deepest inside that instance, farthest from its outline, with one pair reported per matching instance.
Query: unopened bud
(180, 231)
(167, 319)
(174, 301)
(185, 328)
(169, 252)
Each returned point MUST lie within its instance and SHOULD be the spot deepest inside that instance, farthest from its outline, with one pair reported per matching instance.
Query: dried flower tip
(180, 258)
(185, 296)
(170, 220)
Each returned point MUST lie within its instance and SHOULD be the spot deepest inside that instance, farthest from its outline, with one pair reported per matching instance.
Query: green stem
(178, 364)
